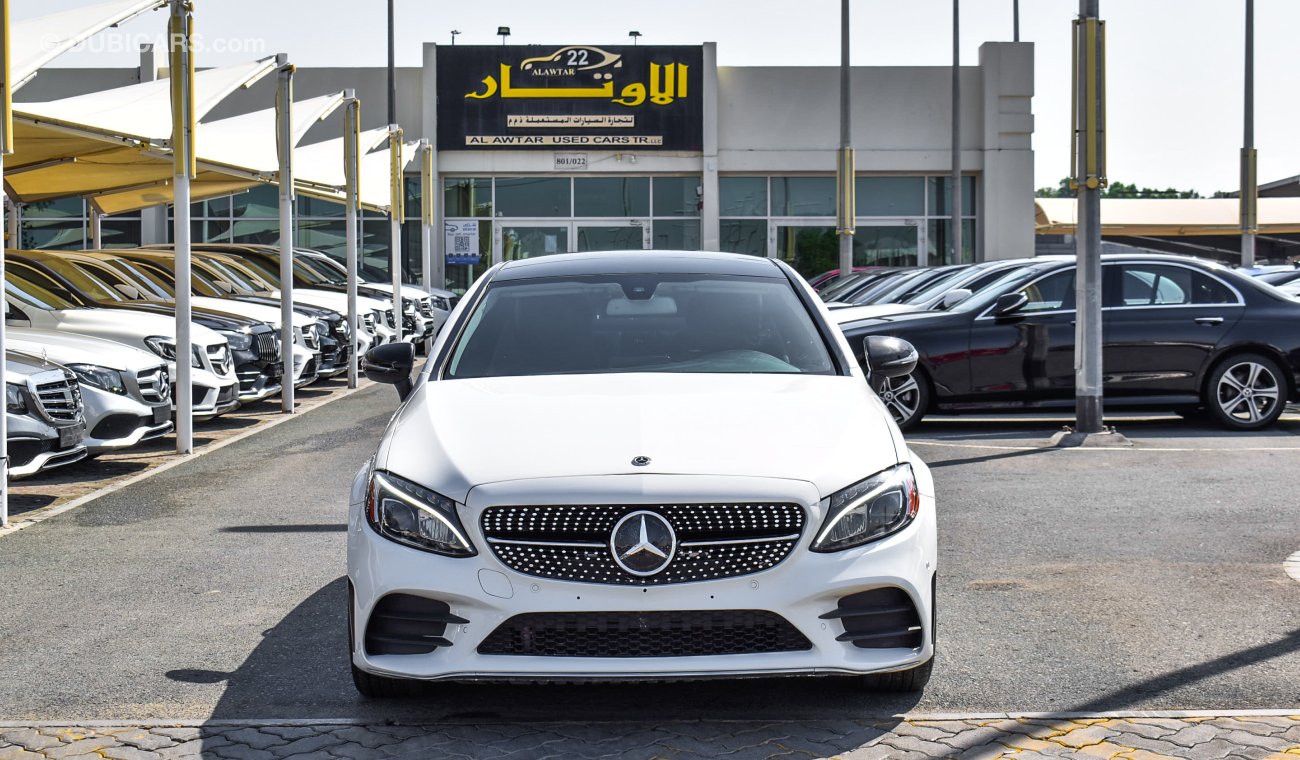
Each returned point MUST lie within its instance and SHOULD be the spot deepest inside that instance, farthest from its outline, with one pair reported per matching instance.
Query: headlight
(99, 377)
(239, 341)
(415, 516)
(15, 400)
(408, 306)
(166, 348)
(440, 303)
(871, 509)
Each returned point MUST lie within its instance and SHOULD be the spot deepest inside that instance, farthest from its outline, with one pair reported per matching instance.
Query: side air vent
(406, 624)
(882, 618)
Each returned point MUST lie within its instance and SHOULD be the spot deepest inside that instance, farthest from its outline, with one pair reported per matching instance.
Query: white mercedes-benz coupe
(641, 465)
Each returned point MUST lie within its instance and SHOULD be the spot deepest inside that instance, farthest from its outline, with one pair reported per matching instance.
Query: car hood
(261, 312)
(336, 301)
(20, 366)
(132, 326)
(453, 435)
(70, 348)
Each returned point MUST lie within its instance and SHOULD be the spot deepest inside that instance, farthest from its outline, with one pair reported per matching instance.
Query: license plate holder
(161, 414)
(71, 436)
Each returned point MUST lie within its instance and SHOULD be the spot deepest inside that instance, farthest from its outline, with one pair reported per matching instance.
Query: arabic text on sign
(667, 83)
(544, 120)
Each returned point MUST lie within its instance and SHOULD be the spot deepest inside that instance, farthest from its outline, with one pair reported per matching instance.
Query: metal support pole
(1089, 176)
(6, 147)
(957, 244)
(426, 216)
(392, 69)
(13, 225)
(182, 87)
(284, 147)
(396, 204)
(1249, 180)
(96, 229)
(351, 132)
(1015, 20)
(845, 170)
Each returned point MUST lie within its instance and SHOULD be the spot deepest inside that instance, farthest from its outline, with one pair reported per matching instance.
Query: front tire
(370, 685)
(906, 397)
(1246, 392)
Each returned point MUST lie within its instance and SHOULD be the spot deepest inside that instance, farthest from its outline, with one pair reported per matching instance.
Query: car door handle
(1209, 321)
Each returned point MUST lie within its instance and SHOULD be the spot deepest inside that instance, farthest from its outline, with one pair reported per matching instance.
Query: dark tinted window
(1051, 293)
(1143, 284)
(640, 323)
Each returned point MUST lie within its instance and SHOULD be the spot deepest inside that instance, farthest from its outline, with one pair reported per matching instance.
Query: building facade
(543, 150)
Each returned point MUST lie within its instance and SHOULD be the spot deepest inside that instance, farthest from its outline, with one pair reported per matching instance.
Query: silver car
(43, 406)
(124, 390)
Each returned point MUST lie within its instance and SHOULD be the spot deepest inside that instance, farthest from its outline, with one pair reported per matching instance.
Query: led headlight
(401, 511)
(99, 377)
(166, 348)
(870, 509)
(15, 401)
(239, 340)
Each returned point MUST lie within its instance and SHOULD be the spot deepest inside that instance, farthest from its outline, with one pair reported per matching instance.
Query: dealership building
(546, 149)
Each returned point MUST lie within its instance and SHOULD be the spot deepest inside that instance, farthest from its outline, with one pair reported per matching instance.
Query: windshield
(640, 323)
(86, 283)
(151, 286)
(842, 284)
(240, 283)
(1008, 283)
(34, 295)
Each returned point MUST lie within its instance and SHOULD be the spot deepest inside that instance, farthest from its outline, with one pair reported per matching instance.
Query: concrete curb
(1293, 714)
(41, 515)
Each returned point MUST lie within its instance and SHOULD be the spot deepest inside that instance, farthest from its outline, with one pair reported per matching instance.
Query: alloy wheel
(902, 395)
(1248, 392)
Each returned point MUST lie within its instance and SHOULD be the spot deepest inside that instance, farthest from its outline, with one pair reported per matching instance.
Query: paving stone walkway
(1138, 736)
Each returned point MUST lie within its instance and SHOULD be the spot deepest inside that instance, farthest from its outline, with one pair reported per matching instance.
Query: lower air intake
(882, 618)
(407, 624)
(692, 633)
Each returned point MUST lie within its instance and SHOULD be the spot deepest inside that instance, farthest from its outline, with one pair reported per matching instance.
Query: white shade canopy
(36, 41)
(1168, 216)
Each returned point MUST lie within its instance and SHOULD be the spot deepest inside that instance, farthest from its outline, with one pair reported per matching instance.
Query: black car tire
(1250, 377)
(372, 686)
(907, 398)
(900, 681)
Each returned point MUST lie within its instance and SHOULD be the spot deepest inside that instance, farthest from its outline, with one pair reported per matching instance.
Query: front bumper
(115, 421)
(486, 592)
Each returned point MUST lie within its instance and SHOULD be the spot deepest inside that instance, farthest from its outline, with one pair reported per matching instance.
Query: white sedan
(621, 466)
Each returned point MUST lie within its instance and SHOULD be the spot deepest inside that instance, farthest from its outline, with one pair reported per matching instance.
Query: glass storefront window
(533, 197)
(525, 242)
(67, 234)
(120, 233)
(467, 197)
(803, 196)
(886, 245)
(939, 242)
(743, 196)
(676, 235)
(611, 196)
(593, 237)
(262, 202)
(461, 276)
(744, 236)
(308, 207)
(63, 208)
(677, 196)
(255, 231)
(375, 237)
(329, 236)
(941, 200)
(890, 196)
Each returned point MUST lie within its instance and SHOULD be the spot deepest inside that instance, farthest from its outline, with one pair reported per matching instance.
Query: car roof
(639, 262)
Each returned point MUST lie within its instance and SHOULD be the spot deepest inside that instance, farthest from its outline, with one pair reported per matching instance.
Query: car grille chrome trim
(60, 400)
(571, 542)
(267, 347)
(154, 386)
(222, 360)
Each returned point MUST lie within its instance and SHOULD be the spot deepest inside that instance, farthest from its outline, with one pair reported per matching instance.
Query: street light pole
(844, 164)
(1088, 177)
(351, 156)
(955, 180)
(1249, 180)
(396, 205)
(392, 69)
(6, 147)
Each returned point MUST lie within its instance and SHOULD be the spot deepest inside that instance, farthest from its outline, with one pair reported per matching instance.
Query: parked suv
(612, 466)
(215, 388)
(1178, 334)
(44, 414)
(125, 392)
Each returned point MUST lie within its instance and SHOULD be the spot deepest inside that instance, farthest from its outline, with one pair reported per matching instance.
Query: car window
(1148, 284)
(640, 323)
(1051, 293)
(33, 294)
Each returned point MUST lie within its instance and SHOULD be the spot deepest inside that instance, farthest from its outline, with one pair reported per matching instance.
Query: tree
(1116, 190)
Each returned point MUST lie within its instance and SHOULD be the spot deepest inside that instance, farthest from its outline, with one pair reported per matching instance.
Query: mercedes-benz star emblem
(640, 461)
(643, 543)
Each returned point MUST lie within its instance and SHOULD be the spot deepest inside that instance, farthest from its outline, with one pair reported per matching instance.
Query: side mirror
(391, 363)
(1009, 303)
(954, 297)
(887, 357)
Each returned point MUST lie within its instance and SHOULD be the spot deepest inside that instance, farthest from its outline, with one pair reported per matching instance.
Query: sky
(1174, 67)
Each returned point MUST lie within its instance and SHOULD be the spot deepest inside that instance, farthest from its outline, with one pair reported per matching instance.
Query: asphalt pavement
(1070, 580)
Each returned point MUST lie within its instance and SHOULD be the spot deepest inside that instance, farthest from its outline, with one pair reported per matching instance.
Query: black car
(1178, 333)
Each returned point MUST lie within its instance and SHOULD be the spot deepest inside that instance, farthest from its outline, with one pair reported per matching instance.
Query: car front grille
(222, 361)
(687, 633)
(267, 347)
(310, 337)
(712, 540)
(60, 400)
(154, 386)
(426, 308)
(390, 319)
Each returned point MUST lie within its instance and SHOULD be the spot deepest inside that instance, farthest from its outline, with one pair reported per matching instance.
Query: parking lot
(1159, 586)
